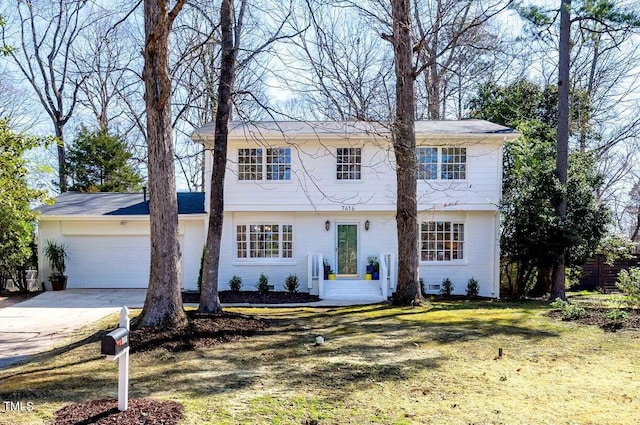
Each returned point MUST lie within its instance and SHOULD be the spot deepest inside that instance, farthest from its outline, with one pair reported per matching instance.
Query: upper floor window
(442, 163)
(264, 241)
(441, 241)
(427, 163)
(254, 165)
(348, 161)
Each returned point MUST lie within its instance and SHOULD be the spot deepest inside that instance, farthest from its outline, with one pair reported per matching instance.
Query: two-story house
(299, 195)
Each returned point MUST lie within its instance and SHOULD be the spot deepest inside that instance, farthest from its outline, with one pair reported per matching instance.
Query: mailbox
(115, 343)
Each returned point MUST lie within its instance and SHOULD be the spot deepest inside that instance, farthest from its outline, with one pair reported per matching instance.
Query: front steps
(350, 289)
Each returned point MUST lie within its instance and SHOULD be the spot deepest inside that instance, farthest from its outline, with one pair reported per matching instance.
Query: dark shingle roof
(116, 204)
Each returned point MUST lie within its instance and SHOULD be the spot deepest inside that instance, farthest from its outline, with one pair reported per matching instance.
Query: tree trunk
(562, 149)
(209, 301)
(62, 158)
(163, 304)
(544, 281)
(404, 144)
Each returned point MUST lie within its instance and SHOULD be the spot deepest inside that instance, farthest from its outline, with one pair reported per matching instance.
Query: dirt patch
(10, 298)
(140, 411)
(203, 330)
(597, 317)
(255, 297)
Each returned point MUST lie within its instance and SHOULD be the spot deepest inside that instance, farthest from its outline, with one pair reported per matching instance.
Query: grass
(435, 364)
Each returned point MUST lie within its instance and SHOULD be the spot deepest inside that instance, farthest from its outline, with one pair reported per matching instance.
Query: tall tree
(231, 29)
(100, 162)
(163, 304)
(404, 146)
(600, 39)
(48, 34)
(562, 146)
(209, 301)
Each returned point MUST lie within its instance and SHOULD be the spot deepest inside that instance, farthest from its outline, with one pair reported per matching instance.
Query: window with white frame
(264, 241)
(348, 163)
(441, 241)
(427, 163)
(442, 163)
(454, 164)
(279, 164)
(253, 164)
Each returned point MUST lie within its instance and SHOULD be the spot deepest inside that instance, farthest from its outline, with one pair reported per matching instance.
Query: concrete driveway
(44, 321)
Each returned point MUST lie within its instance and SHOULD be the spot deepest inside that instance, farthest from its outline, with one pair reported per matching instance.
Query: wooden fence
(596, 274)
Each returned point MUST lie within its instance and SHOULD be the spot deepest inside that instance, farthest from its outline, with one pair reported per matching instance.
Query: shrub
(573, 312)
(263, 284)
(629, 284)
(558, 304)
(235, 283)
(616, 315)
(472, 288)
(291, 283)
(569, 311)
(447, 287)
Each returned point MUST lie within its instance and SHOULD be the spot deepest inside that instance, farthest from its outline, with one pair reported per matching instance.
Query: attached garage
(108, 242)
(108, 261)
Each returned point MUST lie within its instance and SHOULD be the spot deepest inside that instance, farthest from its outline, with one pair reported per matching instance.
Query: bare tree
(456, 45)
(163, 304)
(340, 70)
(231, 30)
(47, 35)
(209, 301)
(404, 145)
(105, 66)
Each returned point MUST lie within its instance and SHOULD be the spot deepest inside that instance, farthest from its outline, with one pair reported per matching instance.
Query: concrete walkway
(44, 321)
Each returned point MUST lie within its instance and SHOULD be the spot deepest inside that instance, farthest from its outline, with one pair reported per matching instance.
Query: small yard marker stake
(123, 366)
(499, 353)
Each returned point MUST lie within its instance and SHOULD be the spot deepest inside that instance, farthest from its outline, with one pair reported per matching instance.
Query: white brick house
(298, 193)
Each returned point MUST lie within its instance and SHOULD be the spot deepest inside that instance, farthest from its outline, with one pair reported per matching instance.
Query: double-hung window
(348, 163)
(264, 241)
(264, 164)
(442, 163)
(441, 241)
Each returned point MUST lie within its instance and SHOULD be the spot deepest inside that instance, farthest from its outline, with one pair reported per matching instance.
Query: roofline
(323, 130)
(139, 217)
(197, 138)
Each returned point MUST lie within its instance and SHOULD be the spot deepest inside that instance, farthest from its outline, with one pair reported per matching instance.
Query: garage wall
(115, 253)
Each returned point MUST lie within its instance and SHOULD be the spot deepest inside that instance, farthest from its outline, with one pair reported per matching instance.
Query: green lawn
(435, 364)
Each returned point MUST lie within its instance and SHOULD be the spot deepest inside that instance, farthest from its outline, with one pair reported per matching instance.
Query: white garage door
(108, 261)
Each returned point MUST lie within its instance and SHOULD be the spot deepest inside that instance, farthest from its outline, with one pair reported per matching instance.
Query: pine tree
(100, 162)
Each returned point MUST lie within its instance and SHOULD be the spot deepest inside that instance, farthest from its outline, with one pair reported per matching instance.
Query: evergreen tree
(533, 237)
(16, 216)
(100, 162)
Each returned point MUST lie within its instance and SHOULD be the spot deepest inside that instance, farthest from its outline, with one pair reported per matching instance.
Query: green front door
(347, 249)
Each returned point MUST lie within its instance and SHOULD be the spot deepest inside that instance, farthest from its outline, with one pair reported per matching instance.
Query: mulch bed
(141, 411)
(203, 330)
(254, 297)
(596, 317)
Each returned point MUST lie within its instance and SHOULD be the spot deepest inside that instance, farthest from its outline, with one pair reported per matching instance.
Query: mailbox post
(116, 346)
